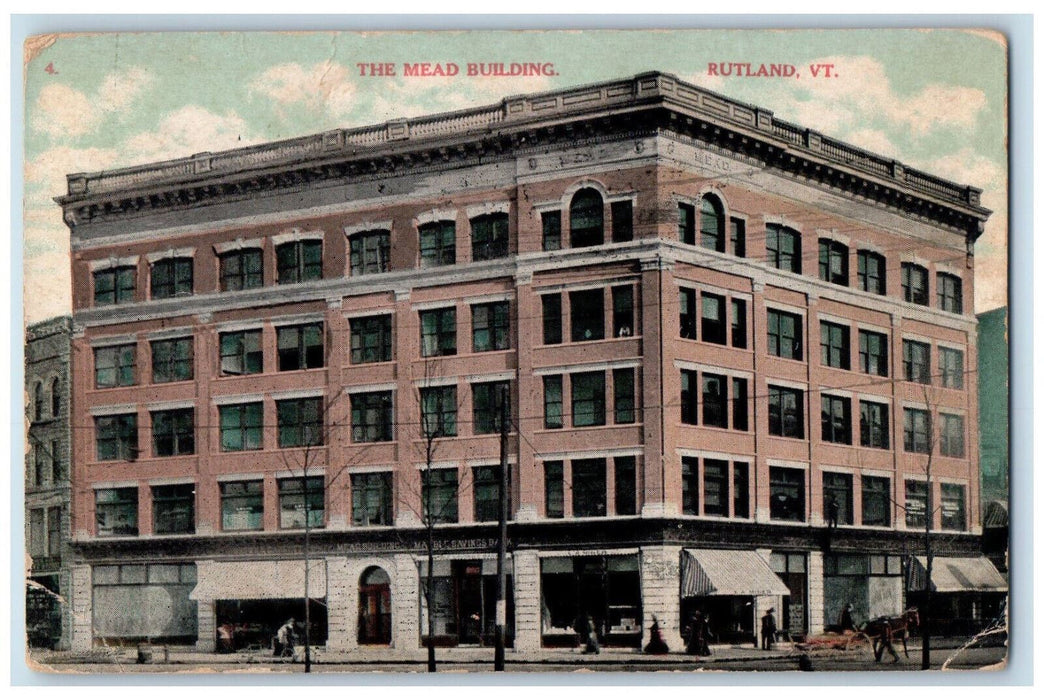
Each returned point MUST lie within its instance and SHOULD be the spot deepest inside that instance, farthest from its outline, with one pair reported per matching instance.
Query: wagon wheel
(861, 636)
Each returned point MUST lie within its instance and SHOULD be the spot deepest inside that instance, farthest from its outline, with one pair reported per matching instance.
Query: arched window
(375, 576)
(712, 223)
(586, 224)
(833, 262)
(38, 401)
(374, 607)
(56, 398)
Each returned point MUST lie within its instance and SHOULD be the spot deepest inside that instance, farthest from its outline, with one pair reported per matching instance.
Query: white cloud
(50, 167)
(411, 97)
(119, 90)
(191, 129)
(322, 87)
(62, 111)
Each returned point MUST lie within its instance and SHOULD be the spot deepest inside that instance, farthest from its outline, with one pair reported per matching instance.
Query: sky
(933, 99)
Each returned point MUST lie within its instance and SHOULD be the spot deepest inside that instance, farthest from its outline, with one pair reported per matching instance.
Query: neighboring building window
(687, 318)
(626, 488)
(740, 490)
(370, 252)
(438, 332)
(690, 474)
(871, 272)
(242, 505)
(916, 362)
(554, 490)
(486, 491)
(738, 237)
(241, 352)
(439, 495)
(114, 366)
(588, 390)
(293, 500)
(551, 222)
(438, 243)
(873, 353)
(57, 467)
(489, 237)
(54, 531)
(372, 499)
(553, 401)
(716, 487)
(241, 269)
(586, 226)
(241, 426)
(589, 494)
(299, 261)
(786, 412)
(114, 286)
(948, 290)
(837, 498)
(587, 315)
(951, 367)
(173, 432)
(372, 416)
(917, 505)
(877, 501)
(172, 360)
(916, 433)
(487, 398)
(623, 311)
(739, 403)
(953, 511)
(371, 339)
(715, 401)
(56, 397)
(171, 277)
(739, 323)
(40, 466)
(623, 220)
(784, 334)
(490, 326)
(837, 419)
(38, 401)
(951, 438)
(300, 422)
(787, 494)
(174, 509)
(116, 437)
(689, 396)
(783, 246)
(623, 395)
(833, 343)
(915, 284)
(712, 224)
(300, 347)
(873, 424)
(712, 319)
(833, 262)
(37, 541)
(116, 512)
(551, 307)
(439, 411)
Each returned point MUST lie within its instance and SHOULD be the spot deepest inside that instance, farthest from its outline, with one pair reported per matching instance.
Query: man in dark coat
(845, 622)
(768, 629)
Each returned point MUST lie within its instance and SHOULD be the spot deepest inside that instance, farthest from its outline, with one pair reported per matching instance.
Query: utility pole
(308, 602)
(501, 616)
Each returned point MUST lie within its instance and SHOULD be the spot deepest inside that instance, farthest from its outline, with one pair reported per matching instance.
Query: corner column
(661, 594)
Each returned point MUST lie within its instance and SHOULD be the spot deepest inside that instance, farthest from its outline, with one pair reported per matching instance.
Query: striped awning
(727, 572)
(957, 575)
(258, 580)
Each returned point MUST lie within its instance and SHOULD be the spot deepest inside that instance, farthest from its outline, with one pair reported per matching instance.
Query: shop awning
(727, 572)
(957, 575)
(258, 580)
(996, 515)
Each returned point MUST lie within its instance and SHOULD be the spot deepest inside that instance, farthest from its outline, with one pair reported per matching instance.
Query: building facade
(733, 353)
(993, 433)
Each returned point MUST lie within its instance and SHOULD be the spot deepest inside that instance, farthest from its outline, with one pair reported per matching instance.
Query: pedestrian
(657, 644)
(285, 639)
(845, 621)
(884, 642)
(225, 642)
(698, 634)
(768, 629)
(833, 511)
(592, 645)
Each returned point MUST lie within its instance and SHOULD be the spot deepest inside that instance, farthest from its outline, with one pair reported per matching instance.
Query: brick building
(731, 348)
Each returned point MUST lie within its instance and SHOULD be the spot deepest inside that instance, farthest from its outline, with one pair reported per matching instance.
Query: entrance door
(374, 607)
(469, 601)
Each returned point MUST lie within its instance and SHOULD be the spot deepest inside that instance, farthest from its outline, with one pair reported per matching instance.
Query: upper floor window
(38, 401)
(439, 411)
(877, 500)
(300, 499)
(116, 512)
(873, 424)
(587, 314)
(551, 225)
(712, 319)
(951, 368)
(951, 437)
(371, 499)
(438, 243)
(837, 498)
(241, 269)
(948, 289)
(551, 312)
(439, 496)
(623, 311)
(369, 252)
(241, 426)
(951, 498)
(787, 494)
(486, 491)
(712, 223)
(172, 360)
(783, 246)
(242, 505)
(241, 352)
(738, 237)
(586, 225)
(56, 397)
(116, 437)
(300, 422)
(438, 332)
(915, 284)
(588, 389)
(623, 220)
(372, 416)
(871, 271)
(916, 430)
(833, 262)
(873, 353)
(833, 345)
(490, 326)
(114, 285)
(784, 334)
(489, 236)
(589, 488)
(554, 489)
(918, 504)
(300, 347)
(174, 509)
(371, 338)
(171, 277)
(299, 261)
(916, 362)
(837, 419)
(173, 432)
(489, 399)
(553, 401)
(786, 412)
(623, 395)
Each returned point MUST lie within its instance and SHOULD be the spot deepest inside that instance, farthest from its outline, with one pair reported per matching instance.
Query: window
(586, 226)
(57, 468)
(738, 237)
(873, 424)
(241, 353)
(589, 494)
(787, 499)
(114, 366)
(370, 252)
(37, 541)
(39, 465)
(300, 422)
(371, 339)
(116, 437)
(740, 490)
(551, 223)
(372, 499)
(174, 509)
(172, 360)
(623, 220)
(487, 493)
(951, 438)
(553, 401)
(554, 491)
(951, 367)
(833, 262)
(588, 398)
(916, 361)
(837, 498)
(489, 236)
(626, 490)
(712, 224)
(786, 412)
(877, 501)
(439, 493)
(687, 313)
(712, 315)
(294, 494)
(241, 269)
(739, 403)
(171, 277)
(837, 419)
(242, 505)
(784, 334)
(114, 286)
(38, 401)
(587, 315)
(915, 284)
(623, 311)
(870, 272)
(300, 347)
(439, 411)
(551, 306)
(690, 473)
(833, 344)
(299, 261)
(241, 426)
(715, 401)
(173, 432)
(689, 397)
(487, 398)
(490, 325)
(438, 332)
(716, 487)
(739, 323)
(783, 246)
(916, 430)
(948, 290)
(116, 512)
(438, 243)
(56, 397)
(54, 531)
(873, 353)
(917, 504)
(623, 395)
(372, 416)
(951, 498)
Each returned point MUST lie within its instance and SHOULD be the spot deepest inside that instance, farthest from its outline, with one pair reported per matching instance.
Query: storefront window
(606, 589)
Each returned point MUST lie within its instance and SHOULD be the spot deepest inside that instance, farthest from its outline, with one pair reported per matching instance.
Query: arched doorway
(374, 607)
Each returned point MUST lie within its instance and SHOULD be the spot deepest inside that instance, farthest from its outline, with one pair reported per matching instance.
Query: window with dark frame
(739, 403)
(914, 283)
(553, 401)
(687, 316)
(173, 432)
(951, 435)
(369, 252)
(739, 323)
(242, 505)
(116, 437)
(171, 277)
(951, 368)
(917, 362)
(372, 416)
(783, 246)
(952, 506)
(740, 490)
(241, 269)
(551, 224)
(687, 223)
(784, 334)
(738, 237)
(486, 491)
(690, 474)
(623, 395)
(439, 496)
(948, 291)
(300, 422)
(877, 501)
(487, 398)
(438, 332)
(114, 366)
(712, 223)
(833, 344)
(871, 272)
(299, 261)
(587, 315)
(837, 498)
(689, 396)
(439, 411)
(114, 285)
(491, 326)
(551, 310)
(715, 400)
(554, 489)
(174, 509)
(438, 243)
(586, 219)
(241, 352)
(837, 419)
(623, 311)
(787, 494)
(372, 499)
(589, 488)
(786, 412)
(241, 426)
(622, 213)
(54, 531)
(116, 512)
(300, 347)
(873, 353)
(873, 424)
(588, 393)
(172, 360)
(833, 262)
(295, 504)
(712, 319)
(916, 430)
(58, 471)
(918, 504)
(489, 236)
(626, 485)
(716, 487)
(371, 339)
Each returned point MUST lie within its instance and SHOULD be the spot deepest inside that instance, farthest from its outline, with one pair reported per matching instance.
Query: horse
(880, 631)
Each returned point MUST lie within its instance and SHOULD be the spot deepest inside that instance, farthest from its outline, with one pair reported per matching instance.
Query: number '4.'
(50, 69)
